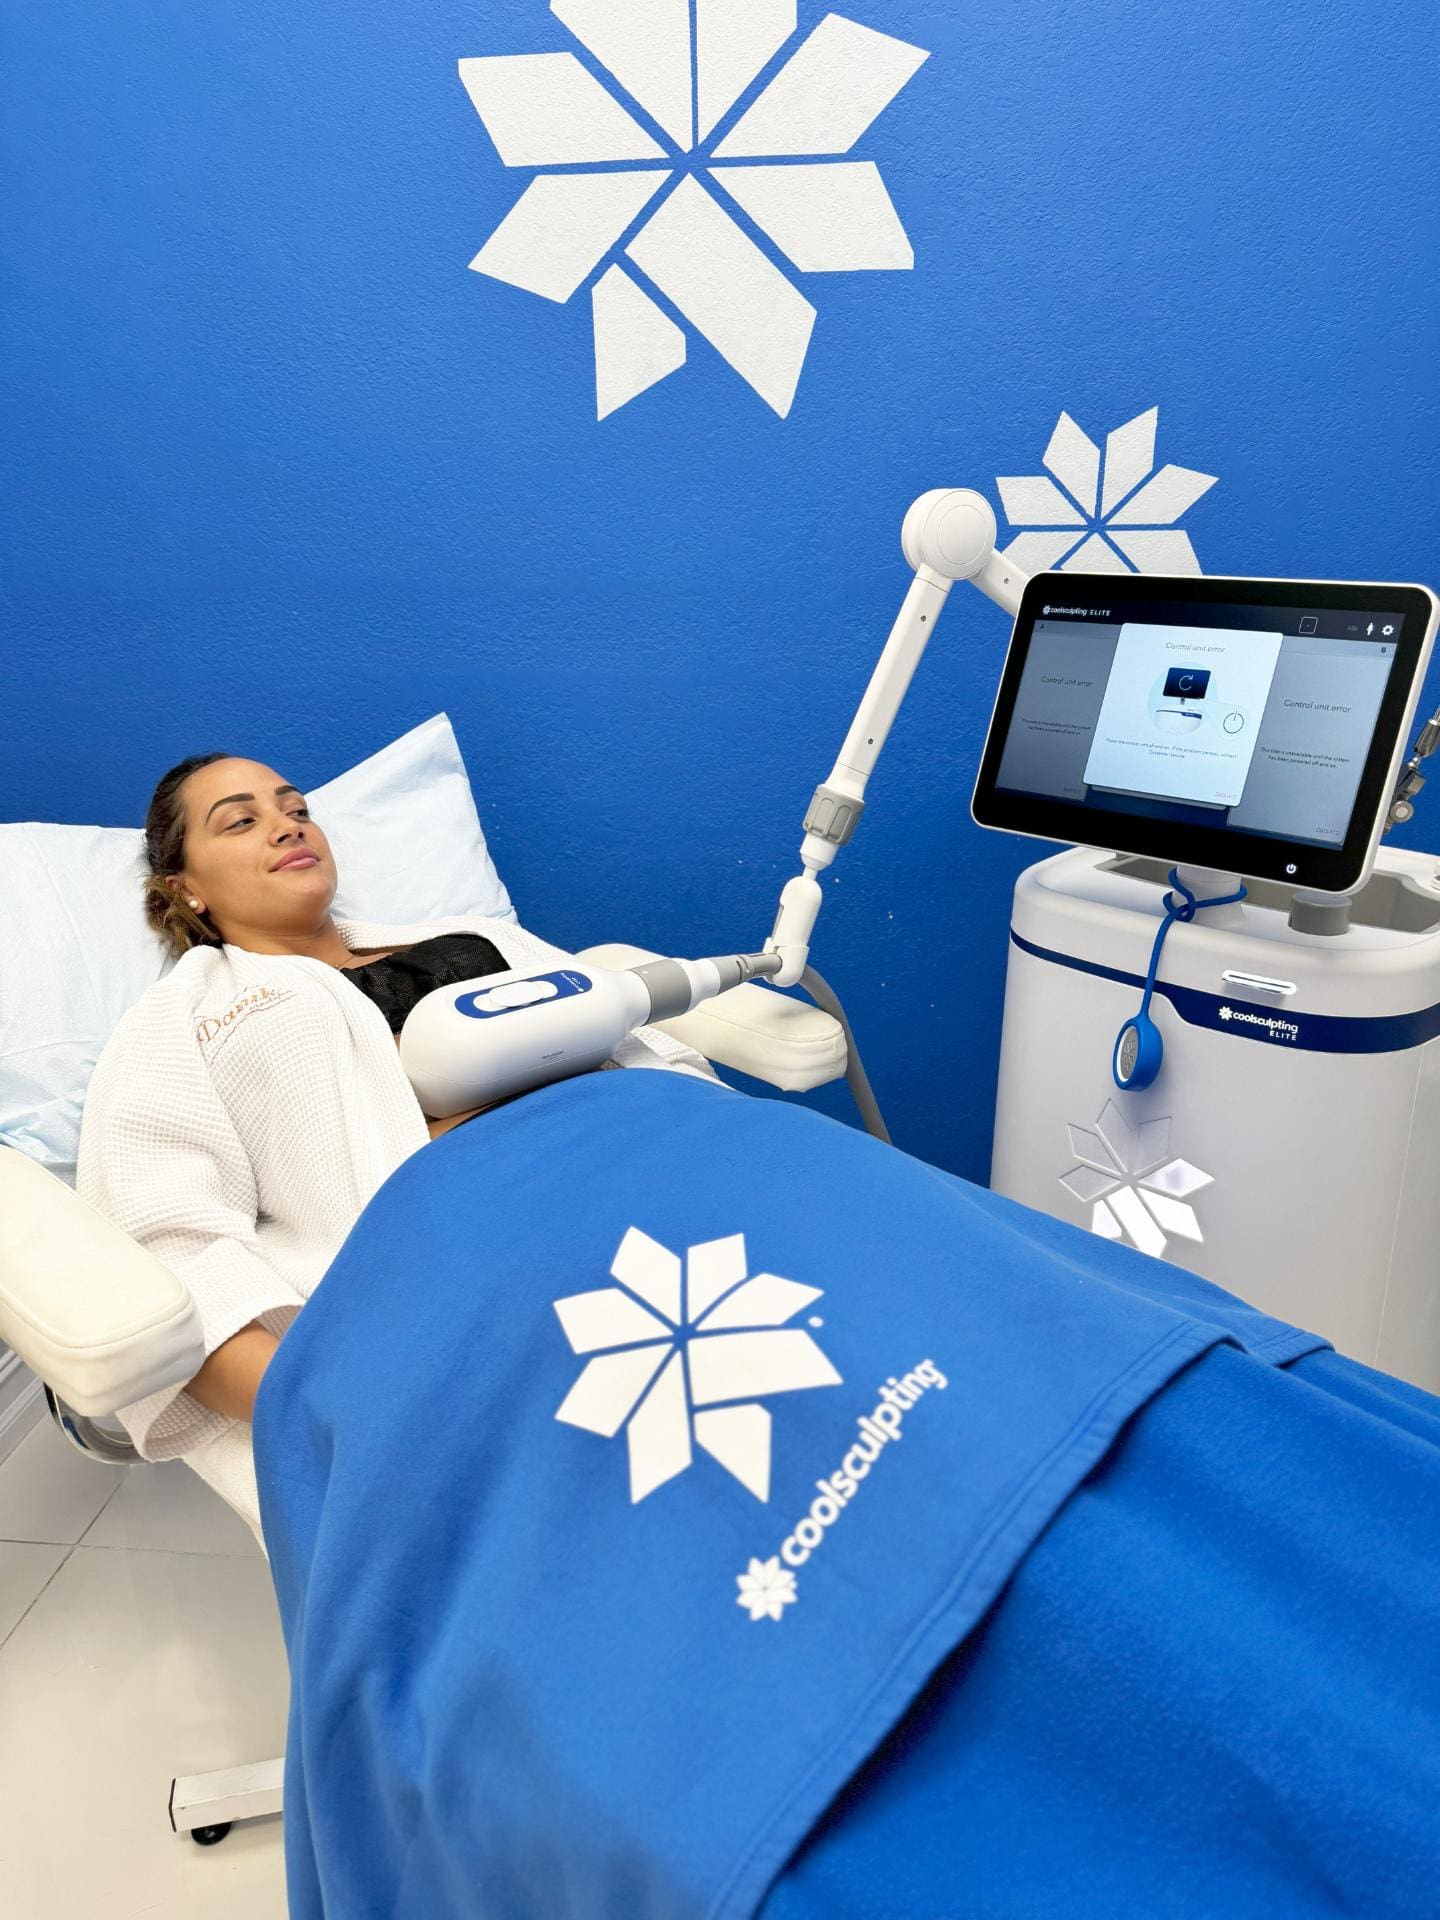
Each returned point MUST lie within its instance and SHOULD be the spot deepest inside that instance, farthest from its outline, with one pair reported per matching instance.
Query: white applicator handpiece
(480, 1041)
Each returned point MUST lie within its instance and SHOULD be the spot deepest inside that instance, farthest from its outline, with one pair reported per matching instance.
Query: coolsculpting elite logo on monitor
(671, 193)
(684, 1353)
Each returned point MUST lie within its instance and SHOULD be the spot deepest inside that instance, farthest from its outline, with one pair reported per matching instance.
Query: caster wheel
(209, 1836)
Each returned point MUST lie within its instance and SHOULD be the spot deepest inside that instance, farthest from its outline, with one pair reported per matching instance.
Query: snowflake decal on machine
(703, 178)
(685, 1351)
(1121, 523)
(1133, 1189)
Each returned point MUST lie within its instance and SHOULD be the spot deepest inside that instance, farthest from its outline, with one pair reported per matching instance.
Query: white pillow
(76, 949)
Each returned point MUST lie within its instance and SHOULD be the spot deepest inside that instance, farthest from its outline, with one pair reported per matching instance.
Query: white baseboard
(22, 1401)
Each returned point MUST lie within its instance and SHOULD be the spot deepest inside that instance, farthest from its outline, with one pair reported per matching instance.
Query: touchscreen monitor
(1252, 726)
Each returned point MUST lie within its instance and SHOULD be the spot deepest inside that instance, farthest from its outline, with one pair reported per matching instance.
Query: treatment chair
(103, 1323)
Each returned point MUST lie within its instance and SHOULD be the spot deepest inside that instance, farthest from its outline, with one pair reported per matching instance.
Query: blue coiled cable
(1139, 1048)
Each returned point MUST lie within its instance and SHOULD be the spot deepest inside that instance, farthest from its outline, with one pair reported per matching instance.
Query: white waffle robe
(239, 1119)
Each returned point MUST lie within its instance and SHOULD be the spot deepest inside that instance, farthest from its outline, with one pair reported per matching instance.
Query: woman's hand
(230, 1378)
(437, 1127)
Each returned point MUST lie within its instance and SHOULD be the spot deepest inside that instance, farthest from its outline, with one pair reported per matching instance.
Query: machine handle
(1260, 983)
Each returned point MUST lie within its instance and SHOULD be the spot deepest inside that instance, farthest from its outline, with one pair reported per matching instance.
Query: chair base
(202, 1802)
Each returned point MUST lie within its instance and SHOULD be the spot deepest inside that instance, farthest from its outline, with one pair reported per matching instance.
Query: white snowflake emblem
(679, 156)
(1113, 1155)
(1124, 523)
(686, 1351)
(766, 1590)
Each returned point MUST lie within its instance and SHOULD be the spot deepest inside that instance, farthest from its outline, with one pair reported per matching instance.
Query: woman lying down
(252, 1101)
(682, 1505)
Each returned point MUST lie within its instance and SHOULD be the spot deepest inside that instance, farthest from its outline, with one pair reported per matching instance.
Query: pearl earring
(196, 905)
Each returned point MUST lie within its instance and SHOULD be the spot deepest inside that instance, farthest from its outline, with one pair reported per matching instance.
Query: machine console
(1249, 726)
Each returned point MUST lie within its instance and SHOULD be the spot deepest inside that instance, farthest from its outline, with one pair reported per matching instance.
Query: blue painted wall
(291, 478)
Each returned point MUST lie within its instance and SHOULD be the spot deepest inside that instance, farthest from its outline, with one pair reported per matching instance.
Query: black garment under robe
(396, 982)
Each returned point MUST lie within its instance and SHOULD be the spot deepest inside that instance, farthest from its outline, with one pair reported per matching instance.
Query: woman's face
(254, 859)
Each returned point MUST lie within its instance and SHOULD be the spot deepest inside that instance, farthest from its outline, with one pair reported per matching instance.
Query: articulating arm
(948, 535)
(520, 1029)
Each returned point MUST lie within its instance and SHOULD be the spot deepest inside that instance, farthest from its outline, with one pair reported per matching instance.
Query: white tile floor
(139, 1639)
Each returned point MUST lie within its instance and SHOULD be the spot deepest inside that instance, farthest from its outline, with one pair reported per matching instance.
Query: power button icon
(1233, 722)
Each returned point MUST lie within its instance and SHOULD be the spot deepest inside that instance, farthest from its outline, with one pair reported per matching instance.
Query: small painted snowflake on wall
(1121, 520)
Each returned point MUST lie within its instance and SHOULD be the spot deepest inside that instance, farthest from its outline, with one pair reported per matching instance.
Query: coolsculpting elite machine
(1237, 1074)
(1250, 1088)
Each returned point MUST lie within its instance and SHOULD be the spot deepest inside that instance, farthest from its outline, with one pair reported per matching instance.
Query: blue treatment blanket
(1211, 1691)
(643, 1452)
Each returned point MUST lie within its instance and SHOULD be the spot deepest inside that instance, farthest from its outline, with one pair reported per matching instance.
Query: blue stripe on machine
(1309, 1032)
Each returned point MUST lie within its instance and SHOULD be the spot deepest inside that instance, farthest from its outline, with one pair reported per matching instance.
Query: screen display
(1194, 715)
(1267, 730)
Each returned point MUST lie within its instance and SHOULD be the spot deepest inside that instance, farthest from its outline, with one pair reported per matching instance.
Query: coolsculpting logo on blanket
(684, 1353)
(767, 1587)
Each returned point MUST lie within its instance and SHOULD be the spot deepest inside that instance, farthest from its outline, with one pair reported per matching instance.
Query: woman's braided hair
(167, 907)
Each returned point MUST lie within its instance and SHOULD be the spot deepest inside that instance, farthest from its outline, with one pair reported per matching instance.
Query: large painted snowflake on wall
(698, 177)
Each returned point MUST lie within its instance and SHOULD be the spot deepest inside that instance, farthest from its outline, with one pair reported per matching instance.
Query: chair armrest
(755, 1029)
(98, 1318)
